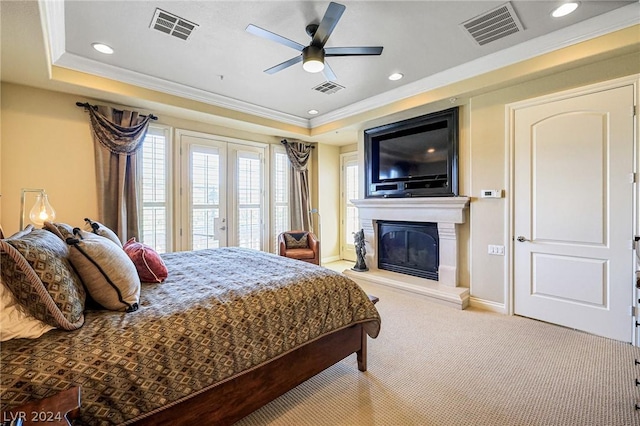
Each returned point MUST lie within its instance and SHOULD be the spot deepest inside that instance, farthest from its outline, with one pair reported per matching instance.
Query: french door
(349, 212)
(222, 197)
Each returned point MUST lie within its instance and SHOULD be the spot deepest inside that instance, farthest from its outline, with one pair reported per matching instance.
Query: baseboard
(487, 305)
(329, 259)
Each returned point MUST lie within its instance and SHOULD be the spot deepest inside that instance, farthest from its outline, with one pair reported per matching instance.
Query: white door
(573, 214)
(222, 194)
(348, 212)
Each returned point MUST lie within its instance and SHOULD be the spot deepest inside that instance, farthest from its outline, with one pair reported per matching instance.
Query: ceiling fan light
(313, 59)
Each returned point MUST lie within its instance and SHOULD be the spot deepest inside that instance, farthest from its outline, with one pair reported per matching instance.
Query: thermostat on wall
(490, 193)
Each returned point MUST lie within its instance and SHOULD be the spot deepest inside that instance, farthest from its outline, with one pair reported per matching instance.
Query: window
(156, 198)
(280, 176)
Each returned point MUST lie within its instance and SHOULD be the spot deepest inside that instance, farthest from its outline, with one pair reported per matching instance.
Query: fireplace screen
(409, 248)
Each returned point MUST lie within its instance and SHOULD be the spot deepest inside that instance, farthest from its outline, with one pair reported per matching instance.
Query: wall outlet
(496, 250)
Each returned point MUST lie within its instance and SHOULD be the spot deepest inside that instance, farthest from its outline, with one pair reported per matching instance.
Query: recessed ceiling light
(312, 112)
(395, 76)
(564, 9)
(102, 48)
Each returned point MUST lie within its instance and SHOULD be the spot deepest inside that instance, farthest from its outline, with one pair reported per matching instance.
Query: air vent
(328, 87)
(493, 25)
(171, 24)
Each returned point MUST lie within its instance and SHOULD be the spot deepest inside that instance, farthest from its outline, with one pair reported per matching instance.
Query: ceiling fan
(312, 56)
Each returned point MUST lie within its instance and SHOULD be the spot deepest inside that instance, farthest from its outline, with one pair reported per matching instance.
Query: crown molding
(591, 28)
(52, 17)
(90, 66)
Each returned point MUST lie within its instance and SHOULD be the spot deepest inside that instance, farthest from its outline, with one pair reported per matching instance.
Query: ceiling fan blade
(353, 51)
(328, 23)
(285, 64)
(260, 32)
(328, 72)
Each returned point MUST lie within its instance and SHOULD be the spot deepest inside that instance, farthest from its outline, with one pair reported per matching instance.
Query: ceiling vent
(328, 87)
(171, 24)
(493, 25)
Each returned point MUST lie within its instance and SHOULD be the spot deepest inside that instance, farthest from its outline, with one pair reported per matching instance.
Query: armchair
(301, 245)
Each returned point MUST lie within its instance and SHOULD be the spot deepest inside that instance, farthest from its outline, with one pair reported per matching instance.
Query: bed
(228, 331)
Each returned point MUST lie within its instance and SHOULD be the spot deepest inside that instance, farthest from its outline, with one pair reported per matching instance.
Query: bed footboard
(232, 400)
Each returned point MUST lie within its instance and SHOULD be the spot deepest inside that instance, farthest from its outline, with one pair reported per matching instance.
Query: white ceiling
(223, 65)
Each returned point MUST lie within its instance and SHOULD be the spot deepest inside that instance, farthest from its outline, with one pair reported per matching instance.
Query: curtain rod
(284, 141)
(87, 105)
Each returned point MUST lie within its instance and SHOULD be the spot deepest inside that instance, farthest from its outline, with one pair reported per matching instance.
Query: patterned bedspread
(219, 313)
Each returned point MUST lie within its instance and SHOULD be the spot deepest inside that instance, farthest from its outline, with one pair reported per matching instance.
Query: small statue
(358, 241)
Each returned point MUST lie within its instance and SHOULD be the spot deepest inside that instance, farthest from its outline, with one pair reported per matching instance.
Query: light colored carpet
(434, 365)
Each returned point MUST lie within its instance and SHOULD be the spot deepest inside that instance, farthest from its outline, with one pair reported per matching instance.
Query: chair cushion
(302, 253)
(296, 240)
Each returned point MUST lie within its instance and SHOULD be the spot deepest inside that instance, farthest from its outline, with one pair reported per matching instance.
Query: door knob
(521, 239)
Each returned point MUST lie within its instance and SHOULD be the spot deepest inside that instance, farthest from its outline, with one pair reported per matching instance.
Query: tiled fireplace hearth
(447, 213)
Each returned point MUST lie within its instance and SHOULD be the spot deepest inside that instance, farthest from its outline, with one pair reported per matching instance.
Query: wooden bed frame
(232, 400)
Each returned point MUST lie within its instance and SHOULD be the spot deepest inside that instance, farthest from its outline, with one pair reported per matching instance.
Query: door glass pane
(352, 223)
(280, 191)
(205, 196)
(249, 200)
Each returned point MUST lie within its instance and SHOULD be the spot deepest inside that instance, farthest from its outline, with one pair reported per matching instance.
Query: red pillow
(149, 264)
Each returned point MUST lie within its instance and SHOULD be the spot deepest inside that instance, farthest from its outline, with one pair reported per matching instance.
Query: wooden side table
(55, 410)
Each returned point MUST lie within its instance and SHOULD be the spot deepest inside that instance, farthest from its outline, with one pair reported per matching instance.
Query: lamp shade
(313, 59)
(42, 211)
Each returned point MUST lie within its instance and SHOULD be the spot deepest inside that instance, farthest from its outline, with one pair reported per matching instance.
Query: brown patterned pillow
(296, 240)
(35, 267)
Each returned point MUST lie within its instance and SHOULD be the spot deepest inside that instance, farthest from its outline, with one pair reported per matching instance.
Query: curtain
(117, 137)
(300, 204)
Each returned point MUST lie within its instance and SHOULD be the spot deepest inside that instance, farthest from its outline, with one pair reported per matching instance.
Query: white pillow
(15, 322)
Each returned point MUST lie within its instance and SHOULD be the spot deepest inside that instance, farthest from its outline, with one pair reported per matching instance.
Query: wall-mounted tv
(417, 157)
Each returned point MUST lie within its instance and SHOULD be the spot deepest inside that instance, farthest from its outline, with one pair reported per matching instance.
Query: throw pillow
(34, 265)
(99, 229)
(149, 264)
(15, 320)
(296, 240)
(105, 269)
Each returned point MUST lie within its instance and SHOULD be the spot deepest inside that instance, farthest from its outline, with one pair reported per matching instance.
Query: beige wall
(484, 164)
(46, 143)
(329, 200)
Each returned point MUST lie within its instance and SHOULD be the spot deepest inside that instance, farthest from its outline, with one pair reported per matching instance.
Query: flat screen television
(417, 157)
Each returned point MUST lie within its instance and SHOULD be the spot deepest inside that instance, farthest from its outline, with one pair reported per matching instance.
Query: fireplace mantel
(447, 212)
(424, 209)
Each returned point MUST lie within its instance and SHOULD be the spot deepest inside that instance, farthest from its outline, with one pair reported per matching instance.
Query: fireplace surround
(447, 213)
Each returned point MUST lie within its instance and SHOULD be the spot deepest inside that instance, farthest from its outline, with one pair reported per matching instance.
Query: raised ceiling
(222, 64)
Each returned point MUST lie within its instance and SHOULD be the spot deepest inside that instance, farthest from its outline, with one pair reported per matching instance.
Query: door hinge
(633, 110)
(632, 311)
(632, 177)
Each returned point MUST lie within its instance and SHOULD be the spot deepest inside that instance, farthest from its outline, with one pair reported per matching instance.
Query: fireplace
(409, 248)
(380, 216)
